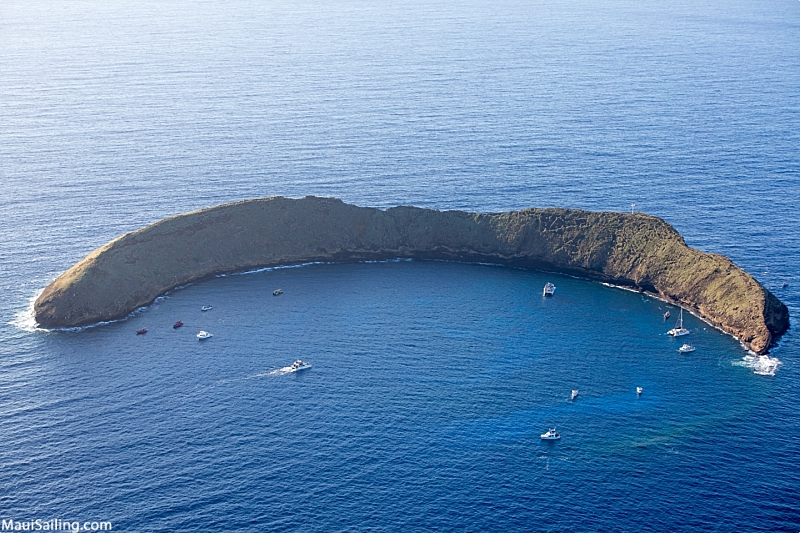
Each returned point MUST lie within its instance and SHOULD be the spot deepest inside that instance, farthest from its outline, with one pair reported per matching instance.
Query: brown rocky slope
(634, 250)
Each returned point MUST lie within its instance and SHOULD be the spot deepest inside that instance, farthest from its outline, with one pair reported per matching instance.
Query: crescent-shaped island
(629, 249)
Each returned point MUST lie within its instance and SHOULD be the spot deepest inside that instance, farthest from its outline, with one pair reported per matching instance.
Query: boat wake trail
(763, 365)
(276, 372)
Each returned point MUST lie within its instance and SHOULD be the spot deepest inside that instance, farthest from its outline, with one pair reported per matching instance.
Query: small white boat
(686, 348)
(549, 289)
(678, 330)
(574, 394)
(551, 434)
(277, 292)
(639, 391)
(204, 335)
(299, 365)
(207, 308)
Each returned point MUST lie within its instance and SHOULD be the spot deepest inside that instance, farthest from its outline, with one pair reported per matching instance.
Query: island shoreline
(141, 309)
(632, 251)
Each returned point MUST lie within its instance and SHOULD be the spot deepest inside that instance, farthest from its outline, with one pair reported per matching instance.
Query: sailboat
(678, 330)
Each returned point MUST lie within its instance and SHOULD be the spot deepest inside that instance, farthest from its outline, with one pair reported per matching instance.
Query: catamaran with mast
(678, 330)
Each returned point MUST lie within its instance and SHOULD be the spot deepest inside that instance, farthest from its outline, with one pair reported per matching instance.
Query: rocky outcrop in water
(634, 250)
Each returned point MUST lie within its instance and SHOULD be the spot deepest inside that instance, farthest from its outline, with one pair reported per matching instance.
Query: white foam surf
(25, 319)
(763, 365)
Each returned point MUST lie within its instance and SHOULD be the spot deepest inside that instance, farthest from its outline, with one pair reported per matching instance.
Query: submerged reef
(628, 249)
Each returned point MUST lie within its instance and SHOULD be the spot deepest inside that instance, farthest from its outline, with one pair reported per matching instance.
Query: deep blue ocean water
(431, 381)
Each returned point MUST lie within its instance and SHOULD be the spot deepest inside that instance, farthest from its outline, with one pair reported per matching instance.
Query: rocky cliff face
(636, 250)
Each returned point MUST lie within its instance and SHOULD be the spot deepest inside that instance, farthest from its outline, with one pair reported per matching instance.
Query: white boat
(299, 365)
(639, 391)
(678, 330)
(207, 308)
(574, 394)
(686, 348)
(551, 434)
(204, 335)
(277, 292)
(549, 289)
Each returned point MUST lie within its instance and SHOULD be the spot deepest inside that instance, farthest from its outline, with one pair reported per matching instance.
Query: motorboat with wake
(207, 308)
(574, 394)
(551, 434)
(549, 289)
(203, 335)
(298, 365)
(686, 348)
(678, 330)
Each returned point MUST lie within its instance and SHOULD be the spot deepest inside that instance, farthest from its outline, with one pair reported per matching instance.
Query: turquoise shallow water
(431, 381)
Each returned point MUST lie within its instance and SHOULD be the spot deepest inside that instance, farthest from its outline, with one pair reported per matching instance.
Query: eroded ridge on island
(628, 249)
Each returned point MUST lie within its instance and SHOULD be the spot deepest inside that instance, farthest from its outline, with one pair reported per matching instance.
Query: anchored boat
(551, 434)
(678, 330)
(549, 289)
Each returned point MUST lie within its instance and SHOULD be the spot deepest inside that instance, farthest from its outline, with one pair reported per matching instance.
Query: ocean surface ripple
(431, 381)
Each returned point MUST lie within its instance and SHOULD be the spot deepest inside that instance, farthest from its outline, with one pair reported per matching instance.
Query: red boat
(141, 331)
(177, 324)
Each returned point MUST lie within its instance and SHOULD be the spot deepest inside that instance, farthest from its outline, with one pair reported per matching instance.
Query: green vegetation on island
(629, 249)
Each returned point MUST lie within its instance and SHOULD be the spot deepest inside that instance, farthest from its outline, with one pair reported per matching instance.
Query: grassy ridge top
(635, 250)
